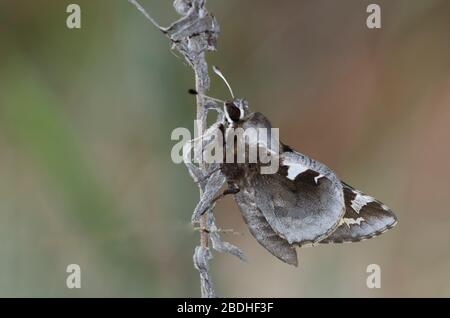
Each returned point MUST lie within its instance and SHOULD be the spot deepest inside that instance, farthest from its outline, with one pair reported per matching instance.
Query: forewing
(365, 217)
(303, 202)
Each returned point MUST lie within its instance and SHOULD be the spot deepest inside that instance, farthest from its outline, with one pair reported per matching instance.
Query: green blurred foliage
(85, 123)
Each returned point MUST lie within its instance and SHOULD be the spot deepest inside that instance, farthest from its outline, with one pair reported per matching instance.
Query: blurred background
(86, 116)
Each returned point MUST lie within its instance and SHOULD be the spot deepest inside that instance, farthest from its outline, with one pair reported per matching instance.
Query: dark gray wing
(261, 230)
(303, 202)
(365, 217)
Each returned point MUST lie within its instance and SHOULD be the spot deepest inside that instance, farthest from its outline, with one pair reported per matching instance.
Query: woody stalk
(191, 36)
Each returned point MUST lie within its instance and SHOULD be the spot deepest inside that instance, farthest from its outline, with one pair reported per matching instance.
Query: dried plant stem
(201, 123)
(201, 86)
(193, 34)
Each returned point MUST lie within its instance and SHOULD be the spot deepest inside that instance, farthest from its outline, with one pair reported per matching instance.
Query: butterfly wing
(303, 202)
(261, 230)
(365, 217)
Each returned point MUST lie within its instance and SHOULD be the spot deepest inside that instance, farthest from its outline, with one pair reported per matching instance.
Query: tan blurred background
(85, 122)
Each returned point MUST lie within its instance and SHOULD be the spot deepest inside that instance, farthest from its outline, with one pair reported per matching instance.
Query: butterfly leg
(211, 195)
(232, 189)
(210, 190)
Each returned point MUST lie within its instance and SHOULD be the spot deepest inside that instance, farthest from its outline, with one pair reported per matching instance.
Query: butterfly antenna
(219, 73)
(194, 92)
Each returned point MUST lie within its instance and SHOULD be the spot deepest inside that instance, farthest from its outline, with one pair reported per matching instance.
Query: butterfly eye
(233, 112)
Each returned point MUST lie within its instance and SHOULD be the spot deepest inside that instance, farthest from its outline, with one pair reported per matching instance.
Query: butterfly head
(235, 110)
